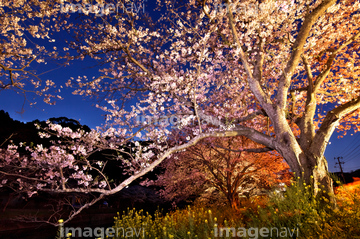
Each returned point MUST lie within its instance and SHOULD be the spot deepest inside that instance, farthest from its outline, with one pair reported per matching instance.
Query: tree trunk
(313, 171)
(234, 201)
(319, 178)
(304, 158)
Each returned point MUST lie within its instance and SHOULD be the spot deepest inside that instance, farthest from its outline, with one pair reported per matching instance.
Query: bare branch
(75, 213)
(254, 150)
(6, 139)
(25, 177)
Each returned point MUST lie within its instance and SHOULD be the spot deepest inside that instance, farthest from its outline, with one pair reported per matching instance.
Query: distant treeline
(15, 131)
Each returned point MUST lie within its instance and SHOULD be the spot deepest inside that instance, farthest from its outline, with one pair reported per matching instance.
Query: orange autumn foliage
(348, 194)
(354, 185)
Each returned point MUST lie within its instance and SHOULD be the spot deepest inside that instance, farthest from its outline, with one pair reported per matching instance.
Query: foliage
(297, 209)
(26, 29)
(192, 222)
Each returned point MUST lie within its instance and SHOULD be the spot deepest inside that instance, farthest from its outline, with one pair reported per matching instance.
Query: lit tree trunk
(323, 184)
(305, 156)
(318, 177)
(234, 201)
(314, 174)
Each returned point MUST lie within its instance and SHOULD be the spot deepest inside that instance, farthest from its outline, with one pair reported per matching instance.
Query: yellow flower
(61, 221)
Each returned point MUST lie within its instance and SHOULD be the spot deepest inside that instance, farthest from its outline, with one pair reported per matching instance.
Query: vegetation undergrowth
(294, 213)
(299, 210)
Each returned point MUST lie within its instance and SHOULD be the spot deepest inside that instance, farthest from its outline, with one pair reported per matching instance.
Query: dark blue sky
(72, 106)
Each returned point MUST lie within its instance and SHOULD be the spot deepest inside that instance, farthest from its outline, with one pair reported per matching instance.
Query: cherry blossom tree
(221, 166)
(68, 165)
(281, 73)
(236, 66)
(27, 42)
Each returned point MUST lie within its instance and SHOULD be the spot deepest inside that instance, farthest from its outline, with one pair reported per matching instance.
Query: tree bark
(318, 177)
(308, 164)
(234, 201)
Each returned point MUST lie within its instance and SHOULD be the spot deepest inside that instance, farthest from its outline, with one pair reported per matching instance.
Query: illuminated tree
(281, 73)
(233, 167)
(26, 42)
(238, 66)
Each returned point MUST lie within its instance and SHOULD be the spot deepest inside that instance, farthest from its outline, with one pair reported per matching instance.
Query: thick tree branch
(253, 83)
(297, 50)
(307, 126)
(258, 71)
(329, 124)
(254, 150)
(248, 132)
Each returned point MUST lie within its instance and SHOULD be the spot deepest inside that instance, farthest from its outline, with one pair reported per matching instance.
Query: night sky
(72, 106)
(84, 110)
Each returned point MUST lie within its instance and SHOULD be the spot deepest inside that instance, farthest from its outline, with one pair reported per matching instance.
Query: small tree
(231, 166)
